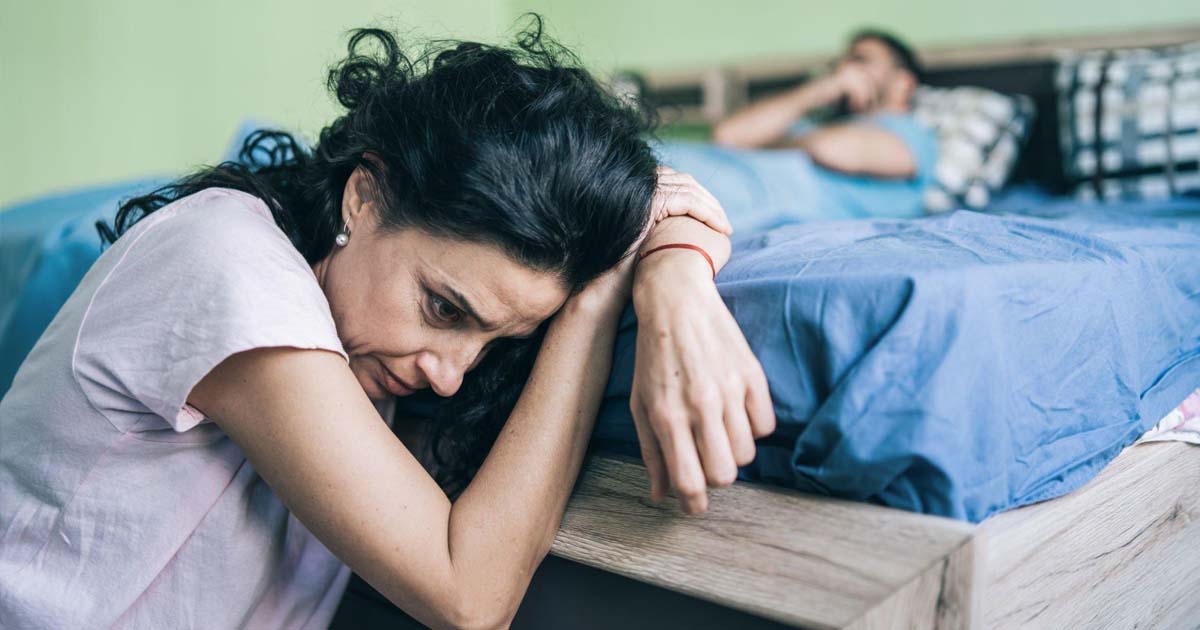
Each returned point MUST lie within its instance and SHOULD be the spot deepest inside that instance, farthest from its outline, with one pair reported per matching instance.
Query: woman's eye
(444, 310)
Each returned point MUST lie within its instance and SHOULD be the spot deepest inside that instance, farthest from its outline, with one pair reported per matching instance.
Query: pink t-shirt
(122, 506)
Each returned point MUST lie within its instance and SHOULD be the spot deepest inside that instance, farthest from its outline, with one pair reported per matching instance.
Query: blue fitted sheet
(958, 365)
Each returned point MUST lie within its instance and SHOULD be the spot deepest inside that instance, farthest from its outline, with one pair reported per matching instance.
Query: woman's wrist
(666, 273)
(602, 300)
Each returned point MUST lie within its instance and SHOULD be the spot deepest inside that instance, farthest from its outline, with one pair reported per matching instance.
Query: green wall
(97, 91)
(681, 33)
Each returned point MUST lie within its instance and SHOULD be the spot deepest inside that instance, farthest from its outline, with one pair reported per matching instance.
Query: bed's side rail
(802, 560)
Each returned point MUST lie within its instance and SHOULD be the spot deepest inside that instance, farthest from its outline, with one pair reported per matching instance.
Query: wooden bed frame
(1121, 552)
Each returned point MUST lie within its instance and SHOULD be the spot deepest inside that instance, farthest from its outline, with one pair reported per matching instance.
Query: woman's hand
(679, 194)
(699, 396)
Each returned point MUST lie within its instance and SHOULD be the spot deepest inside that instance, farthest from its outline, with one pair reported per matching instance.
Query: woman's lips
(394, 385)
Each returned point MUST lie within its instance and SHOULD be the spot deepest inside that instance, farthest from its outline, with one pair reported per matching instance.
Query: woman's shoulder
(221, 218)
(220, 240)
(206, 276)
(211, 235)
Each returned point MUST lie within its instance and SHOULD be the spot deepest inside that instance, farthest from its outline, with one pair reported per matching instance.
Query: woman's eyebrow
(464, 304)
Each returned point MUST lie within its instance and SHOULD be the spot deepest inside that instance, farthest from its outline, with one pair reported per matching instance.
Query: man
(870, 157)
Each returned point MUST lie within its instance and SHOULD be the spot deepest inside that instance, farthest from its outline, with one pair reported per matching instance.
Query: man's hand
(852, 82)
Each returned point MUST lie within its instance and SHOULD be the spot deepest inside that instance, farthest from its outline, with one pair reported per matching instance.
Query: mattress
(963, 364)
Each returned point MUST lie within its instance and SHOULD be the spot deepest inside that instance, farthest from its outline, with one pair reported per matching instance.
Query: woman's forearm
(504, 522)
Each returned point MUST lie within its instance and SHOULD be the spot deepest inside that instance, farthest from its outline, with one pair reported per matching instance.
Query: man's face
(893, 84)
(874, 57)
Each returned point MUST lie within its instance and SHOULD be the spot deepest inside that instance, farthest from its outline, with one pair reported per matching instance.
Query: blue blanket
(958, 365)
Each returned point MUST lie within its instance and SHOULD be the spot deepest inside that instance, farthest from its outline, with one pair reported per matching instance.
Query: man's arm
(766, 122)
(857, 149)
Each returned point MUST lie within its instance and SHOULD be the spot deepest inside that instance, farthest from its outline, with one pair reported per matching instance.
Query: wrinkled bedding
(963, 364)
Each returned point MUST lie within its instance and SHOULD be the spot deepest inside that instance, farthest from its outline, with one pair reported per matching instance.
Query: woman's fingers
(679, 194)
(652, 455)
(684, 201)
(682, 462)
(758, 405)
(741, 439)
(716, 456)
(691, 181)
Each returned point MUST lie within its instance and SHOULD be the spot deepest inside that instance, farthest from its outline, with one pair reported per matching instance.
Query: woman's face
(414, 310)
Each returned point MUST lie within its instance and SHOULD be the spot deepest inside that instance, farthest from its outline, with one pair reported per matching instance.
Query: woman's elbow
(457, 605)
(471, 614)
(480, 603)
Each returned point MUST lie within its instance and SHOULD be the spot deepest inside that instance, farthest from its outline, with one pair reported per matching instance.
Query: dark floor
(566, 594)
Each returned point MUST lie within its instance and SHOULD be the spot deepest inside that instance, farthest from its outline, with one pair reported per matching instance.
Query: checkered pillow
(1130, 121)
(980, 133)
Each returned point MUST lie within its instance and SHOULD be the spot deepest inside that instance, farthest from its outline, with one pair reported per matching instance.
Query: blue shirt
(765, 188)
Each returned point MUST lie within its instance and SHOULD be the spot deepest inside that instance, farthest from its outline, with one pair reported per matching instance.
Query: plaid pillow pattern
(1130, 121)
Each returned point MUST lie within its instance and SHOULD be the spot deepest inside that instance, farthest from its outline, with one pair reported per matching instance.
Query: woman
(204, 400)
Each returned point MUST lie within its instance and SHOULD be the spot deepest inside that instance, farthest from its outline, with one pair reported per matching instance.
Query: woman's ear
(361, 196)
(353, 198)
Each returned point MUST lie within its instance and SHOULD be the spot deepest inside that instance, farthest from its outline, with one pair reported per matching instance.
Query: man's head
(889, 62)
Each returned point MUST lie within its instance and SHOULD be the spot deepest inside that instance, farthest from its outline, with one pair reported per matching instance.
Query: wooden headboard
(705, 95)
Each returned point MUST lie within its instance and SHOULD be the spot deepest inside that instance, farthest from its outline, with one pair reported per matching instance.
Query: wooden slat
(724, 86)
(1121, 552)
(803, 560)
(942, 57)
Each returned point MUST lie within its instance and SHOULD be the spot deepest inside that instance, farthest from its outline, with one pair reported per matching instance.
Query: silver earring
(343, 236)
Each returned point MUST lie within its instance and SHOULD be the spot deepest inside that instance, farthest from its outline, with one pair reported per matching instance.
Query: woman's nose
(444, 376)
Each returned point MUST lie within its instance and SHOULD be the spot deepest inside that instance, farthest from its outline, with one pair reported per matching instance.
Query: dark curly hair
(517, 147)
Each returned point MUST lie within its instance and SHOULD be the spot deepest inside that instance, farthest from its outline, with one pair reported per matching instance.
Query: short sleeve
(206, 277)
(801, 127)
(920, 140)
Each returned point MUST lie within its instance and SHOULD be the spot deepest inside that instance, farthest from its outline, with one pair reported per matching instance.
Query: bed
(1119, 552)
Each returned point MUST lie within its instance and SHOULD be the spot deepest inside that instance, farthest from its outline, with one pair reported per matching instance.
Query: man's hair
(902, 53)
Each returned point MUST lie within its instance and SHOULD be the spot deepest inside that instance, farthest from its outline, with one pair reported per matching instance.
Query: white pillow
(980, 133)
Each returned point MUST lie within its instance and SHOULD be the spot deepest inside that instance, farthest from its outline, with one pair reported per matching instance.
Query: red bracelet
(695, 248)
